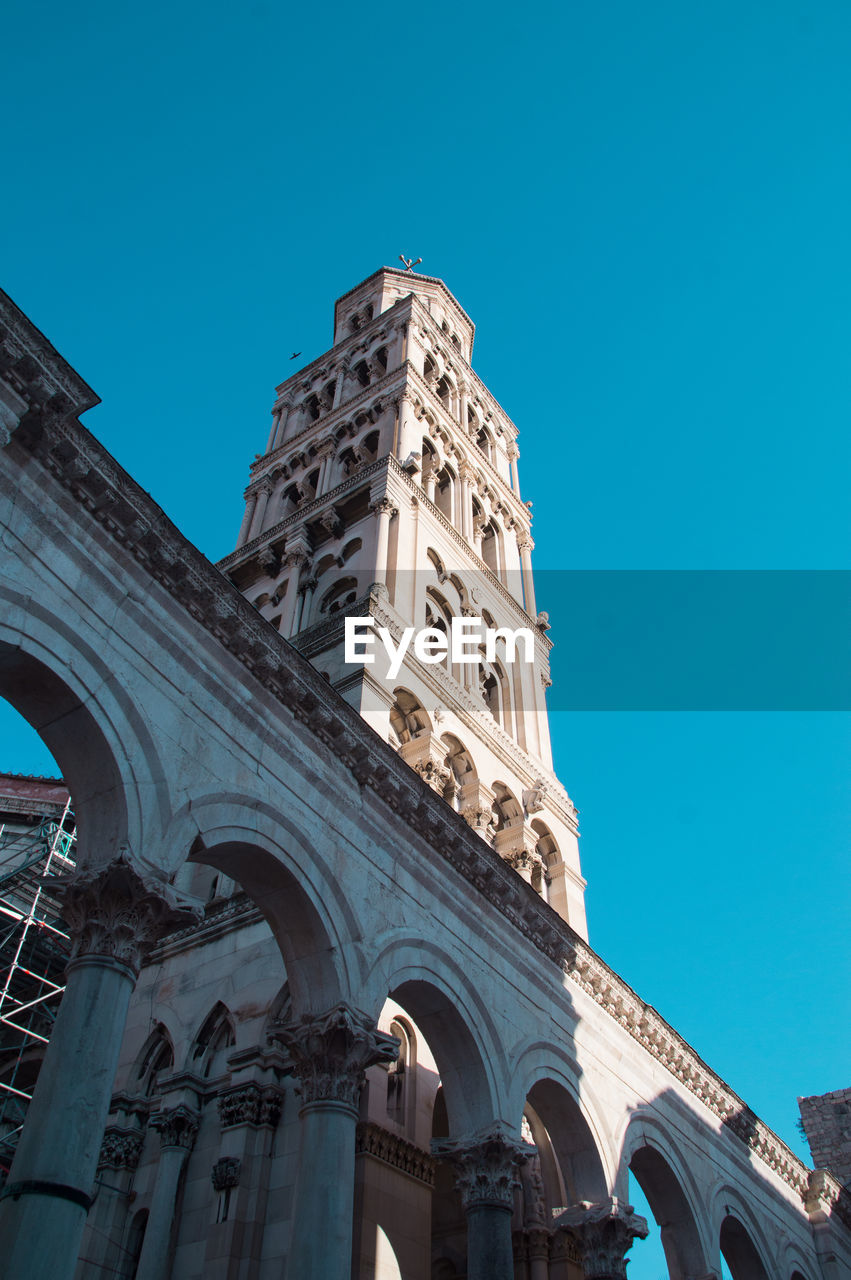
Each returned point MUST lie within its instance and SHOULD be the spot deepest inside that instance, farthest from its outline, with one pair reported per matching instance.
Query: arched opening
(340, 596)
(739, 1251)
(215, 1037)
(408, 718)
(671, 1212)
(571, 1140)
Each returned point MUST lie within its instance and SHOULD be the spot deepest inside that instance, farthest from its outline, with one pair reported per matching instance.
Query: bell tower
(389, 490)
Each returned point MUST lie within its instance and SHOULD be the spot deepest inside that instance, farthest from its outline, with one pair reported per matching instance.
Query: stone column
(329, 1054)
(409, 429)
(264, 493)
(294, 561)
(341, 382)
(468, 478)
(177, 1127)
(384, 511)
(486, 1173)
(325, 453)
(525, 545)
(281, 426)
(306, 592)
(115, 913)
(513, 455)
(276, 418)
(250, 506)
(604, 1234)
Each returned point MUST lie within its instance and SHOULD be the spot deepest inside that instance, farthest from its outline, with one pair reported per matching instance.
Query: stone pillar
(486, 1173)
(525, 545)
(468, 482)
(264, 493)
(276, 418)
(513, 455)
(409, 429)
(294, 561)
(384, 511)
(281, 425)
(115, 914)
(106, 1223)
(463, 394)
(604, 1234)
(306, 593)
(341, 382)
(325, 453)
(250, 506)
(329, 1054)
(177, 1127)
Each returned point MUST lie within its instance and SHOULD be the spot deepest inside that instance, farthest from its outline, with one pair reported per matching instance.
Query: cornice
(110, 498)
(34, 368)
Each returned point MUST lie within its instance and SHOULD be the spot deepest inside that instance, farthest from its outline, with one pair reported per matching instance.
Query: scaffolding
(34, 949)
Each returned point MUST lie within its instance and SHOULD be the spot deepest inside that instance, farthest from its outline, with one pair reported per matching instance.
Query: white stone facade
(316, 1023)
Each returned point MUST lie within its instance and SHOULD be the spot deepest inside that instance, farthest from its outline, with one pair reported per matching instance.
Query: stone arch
(408, 717)
(672, 1209)
(739, 1251)
(264, 850)
(455, 1021)
(739, 1235)
(155, 1056)
(574, 1124)
(215, 1034)
(70, 695)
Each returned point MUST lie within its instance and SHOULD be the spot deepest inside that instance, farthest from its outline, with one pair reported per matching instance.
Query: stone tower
(389, 489)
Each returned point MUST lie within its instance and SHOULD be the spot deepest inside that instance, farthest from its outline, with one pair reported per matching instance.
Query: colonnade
(116, 914)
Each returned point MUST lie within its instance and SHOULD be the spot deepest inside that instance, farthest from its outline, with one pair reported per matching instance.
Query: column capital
(485, 1165)
(254, 1104)
(177, 1126)
(524, 541)
(604, 1234)
(330, 1053)
(120, 911)
(384, 507)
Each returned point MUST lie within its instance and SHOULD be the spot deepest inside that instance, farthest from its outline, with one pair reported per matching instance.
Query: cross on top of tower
(409, 262)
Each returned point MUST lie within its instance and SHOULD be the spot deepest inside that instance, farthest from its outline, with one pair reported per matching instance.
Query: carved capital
(485, 1165)
(249, 1104)
(331, 1053)
(225, 1173)
(604, 1234)
(384, 507)
(177, 1126)
(120, 911)
(120, 1149)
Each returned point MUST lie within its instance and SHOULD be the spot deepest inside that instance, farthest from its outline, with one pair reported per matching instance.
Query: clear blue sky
(645, 209)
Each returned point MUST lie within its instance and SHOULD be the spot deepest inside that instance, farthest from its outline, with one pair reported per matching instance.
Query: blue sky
(645, 210)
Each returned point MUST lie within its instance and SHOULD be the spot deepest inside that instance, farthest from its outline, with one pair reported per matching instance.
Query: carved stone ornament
(120, 1149)
(486, 1165)
(330, 1054)
(388, 1147)
(177, 1127)
(604, 1234)
(120, 910)
(249, 1104)
(384, 507)
(225, 1173)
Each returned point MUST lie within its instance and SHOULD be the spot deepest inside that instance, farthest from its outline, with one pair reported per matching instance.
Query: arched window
(215, 1037)
(408, 718)
(157, 1056)
(340, 596)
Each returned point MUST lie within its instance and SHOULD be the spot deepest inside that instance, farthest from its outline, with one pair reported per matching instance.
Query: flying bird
(294, 354)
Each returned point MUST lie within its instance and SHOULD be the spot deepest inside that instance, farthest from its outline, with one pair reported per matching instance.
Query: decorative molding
(253, 1104)
(226, 1173)
(373, 1140)
(119, 910)
(604, 1234)
(177, 1127)
(330, 1054)
(120, 1148)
